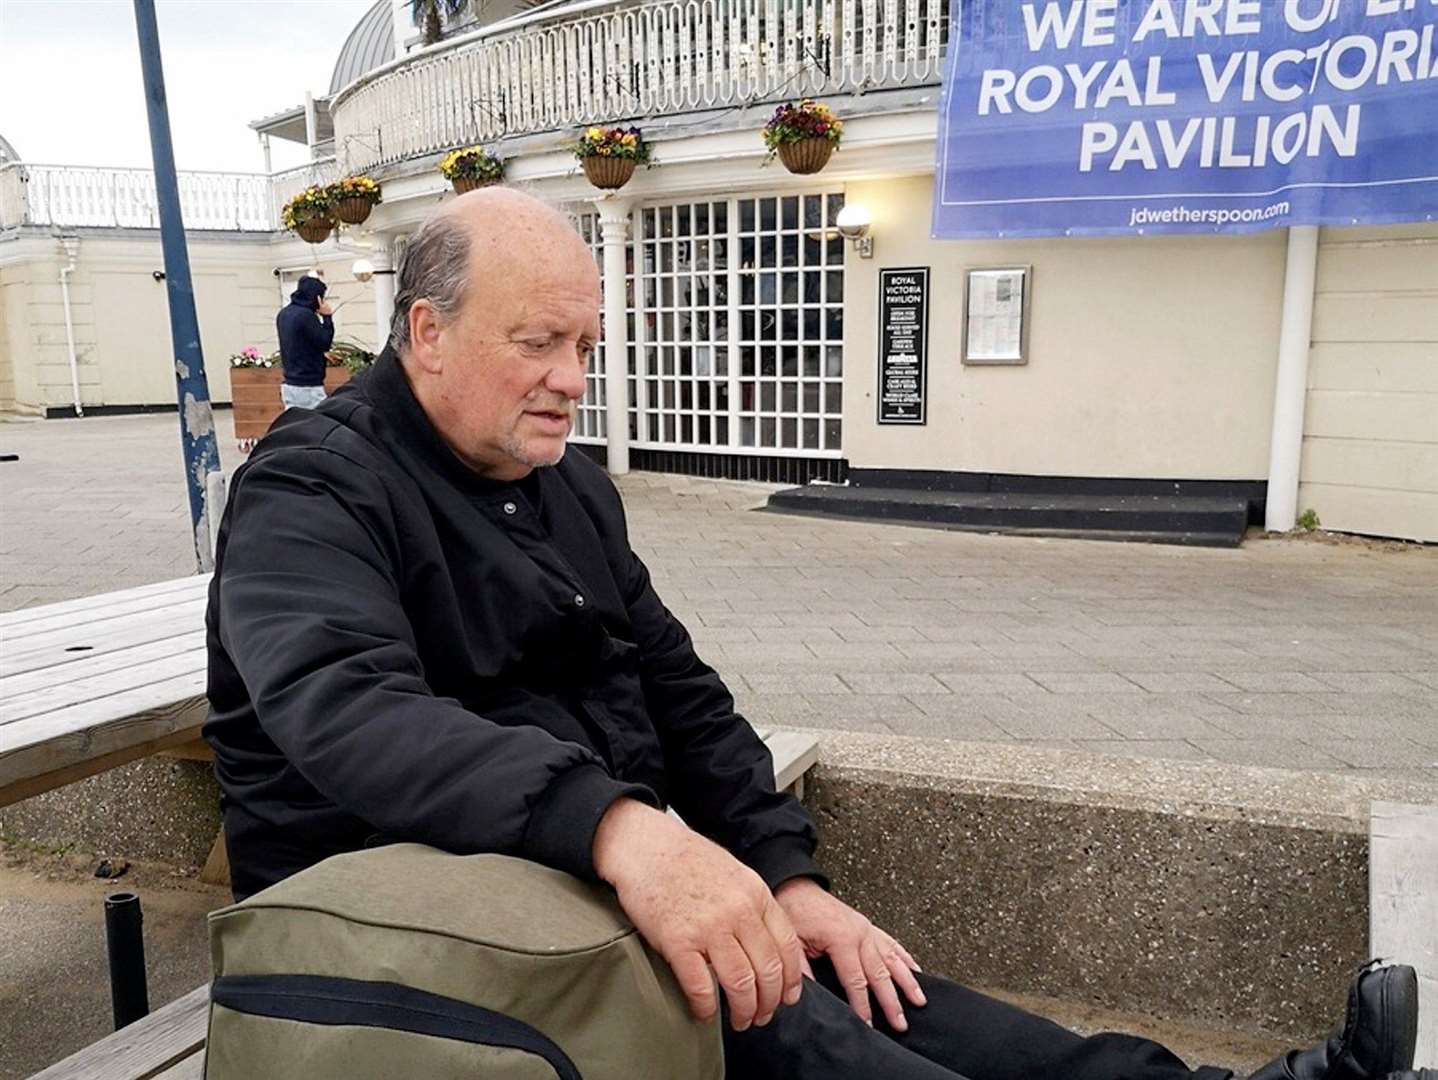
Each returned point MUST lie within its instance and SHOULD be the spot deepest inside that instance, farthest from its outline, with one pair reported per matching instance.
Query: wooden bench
(169, 1044)
(90, 684)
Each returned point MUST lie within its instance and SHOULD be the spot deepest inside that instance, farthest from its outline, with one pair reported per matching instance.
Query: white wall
(1150, 357)
(7, 364)
(1370, 447)
(120, 313)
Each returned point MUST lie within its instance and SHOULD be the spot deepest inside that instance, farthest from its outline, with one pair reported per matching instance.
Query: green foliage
(796, 121)
(354, 187)
(625, 143)
(1308, 520)
(314, 202)
(351, 355)
(472, 163)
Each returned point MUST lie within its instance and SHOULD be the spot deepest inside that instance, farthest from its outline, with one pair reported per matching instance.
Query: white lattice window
(687, 324)
(790, 323)
(741, 341)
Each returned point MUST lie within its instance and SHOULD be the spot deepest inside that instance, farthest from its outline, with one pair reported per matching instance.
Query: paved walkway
(1291, 653)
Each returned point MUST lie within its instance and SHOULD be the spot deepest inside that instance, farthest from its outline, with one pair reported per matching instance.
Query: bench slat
(32, 655)
(192, 1068)
(83, 603)
(12, 686)
(98, 687)
(794, 754)
(91, 630)
(145, 1048)
(197, 588)
(44, 751)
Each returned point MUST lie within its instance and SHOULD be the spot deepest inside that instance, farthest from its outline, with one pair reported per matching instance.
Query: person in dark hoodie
(306, 327)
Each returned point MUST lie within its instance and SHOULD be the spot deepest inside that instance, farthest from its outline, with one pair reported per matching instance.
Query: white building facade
(751, 331)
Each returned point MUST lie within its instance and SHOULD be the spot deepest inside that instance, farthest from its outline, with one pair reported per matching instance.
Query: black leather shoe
(1377, 1037)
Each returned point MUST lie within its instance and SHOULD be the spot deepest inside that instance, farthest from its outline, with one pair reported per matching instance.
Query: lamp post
(197, 421)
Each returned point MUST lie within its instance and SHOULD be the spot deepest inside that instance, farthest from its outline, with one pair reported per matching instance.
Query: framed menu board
(996, 303)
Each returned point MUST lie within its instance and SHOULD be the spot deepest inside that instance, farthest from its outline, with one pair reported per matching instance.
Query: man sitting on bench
(427, 624)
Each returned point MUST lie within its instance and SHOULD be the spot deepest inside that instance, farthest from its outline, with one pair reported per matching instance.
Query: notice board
(903, 345)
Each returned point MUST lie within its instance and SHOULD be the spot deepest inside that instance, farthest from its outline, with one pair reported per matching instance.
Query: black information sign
(903, 345)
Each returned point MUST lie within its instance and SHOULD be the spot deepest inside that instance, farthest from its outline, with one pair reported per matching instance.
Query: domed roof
(7, 152)
(370, 44)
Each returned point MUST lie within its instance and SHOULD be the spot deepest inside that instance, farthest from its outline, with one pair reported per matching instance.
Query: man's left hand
(866, 959)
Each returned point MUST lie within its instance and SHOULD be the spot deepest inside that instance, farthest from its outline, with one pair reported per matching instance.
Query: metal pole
(1290, 391)
(125, 943)
(197, 422)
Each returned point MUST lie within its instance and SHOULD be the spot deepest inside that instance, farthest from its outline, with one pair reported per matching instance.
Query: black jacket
(402, 650)
(305, 336)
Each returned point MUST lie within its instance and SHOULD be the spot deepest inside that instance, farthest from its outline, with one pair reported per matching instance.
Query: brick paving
(1290, 653)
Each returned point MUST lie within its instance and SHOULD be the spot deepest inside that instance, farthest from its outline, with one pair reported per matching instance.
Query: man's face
(513, 364)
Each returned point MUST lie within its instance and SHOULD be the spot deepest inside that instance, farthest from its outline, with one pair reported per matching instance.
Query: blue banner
(1096, 117)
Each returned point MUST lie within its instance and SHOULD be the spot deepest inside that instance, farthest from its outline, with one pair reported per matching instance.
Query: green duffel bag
(403, 961)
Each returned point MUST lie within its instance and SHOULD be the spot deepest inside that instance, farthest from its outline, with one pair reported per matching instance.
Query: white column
(311, 123)
(614, 222)
(383, 284)
(1291, 386)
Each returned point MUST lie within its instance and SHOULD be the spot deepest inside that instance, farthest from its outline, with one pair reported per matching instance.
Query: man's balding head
(496, 313)
(470, 242)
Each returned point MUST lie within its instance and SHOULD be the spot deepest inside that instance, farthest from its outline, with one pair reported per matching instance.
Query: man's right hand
(699, 907)
(324, 309)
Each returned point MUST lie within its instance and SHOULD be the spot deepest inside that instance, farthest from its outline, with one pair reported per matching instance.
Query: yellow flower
(630, 140)
(594, 133)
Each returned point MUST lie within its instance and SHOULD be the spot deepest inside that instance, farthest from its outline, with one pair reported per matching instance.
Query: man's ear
(424, 337)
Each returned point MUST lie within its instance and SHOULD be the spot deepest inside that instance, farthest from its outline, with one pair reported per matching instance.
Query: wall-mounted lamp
(853, 224)
(362, 269)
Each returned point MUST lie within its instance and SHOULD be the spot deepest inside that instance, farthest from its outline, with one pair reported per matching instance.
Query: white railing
(600, 62)
(288, 183)
(85, 196)
(81, 195)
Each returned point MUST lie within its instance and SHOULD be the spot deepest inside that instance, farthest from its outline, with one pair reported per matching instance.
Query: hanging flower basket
(461, 184)
(608, 173)
(314, 230)
(609, 156)
(353, 198)
(471, 168)
(806, 156)
(353, 210)
(803, 135)
(310, 214)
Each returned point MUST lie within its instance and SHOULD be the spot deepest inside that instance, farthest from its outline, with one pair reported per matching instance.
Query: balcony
(73, 196)
(603, 62)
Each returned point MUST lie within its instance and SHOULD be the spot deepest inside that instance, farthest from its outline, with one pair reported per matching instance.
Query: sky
(71, 92)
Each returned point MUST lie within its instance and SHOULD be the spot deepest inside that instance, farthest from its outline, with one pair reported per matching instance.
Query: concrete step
(1210, 521)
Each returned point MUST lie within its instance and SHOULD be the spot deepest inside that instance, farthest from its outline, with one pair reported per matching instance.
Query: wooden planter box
(255, 393)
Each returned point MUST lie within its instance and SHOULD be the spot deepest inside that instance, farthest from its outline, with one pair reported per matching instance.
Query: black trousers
(959, 1035)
